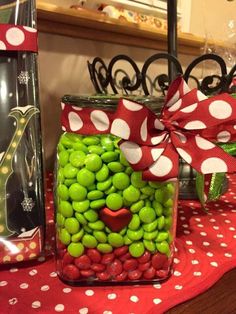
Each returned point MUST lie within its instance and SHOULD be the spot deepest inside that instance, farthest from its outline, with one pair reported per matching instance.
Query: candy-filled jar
(112, 225)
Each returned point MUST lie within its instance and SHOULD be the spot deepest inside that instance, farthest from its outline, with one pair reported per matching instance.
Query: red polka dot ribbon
(189, 126)
(18, 38)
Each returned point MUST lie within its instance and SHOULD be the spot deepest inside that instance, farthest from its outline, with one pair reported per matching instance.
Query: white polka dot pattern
(199, 255)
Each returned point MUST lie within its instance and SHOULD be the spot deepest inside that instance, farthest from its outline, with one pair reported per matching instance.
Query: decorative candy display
(109, 190)
(21, 182)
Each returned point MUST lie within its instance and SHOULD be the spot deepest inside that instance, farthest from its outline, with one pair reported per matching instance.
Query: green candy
(91, 140)
(98, 225)
(136, 249)
(136, 180)
(107, 143)
(91, 215)
(98, 203)
(77, 236)
(148, 190)
(147, 214)
(77, 158)
(81, 219)
(131, 194)
(150, 226)
(69, 182)
(87, 229)
(167, 211)
(123, 160)
(70, 171)
(62, 192)
(158, 208)
(129, 171)
(135, 235)
(85, 177)
(103, 186)
(123, 231)
(168, 222)
(72, 225)
(60, 147)
(171, 188)
(162, 235)
(95, 195)
(75, 249)
(163, 247)
(127, 240)
(160, 222)
(93, 149)
(149, 245)
(168, 203)
(114, 201)
(134, 223)
(159, 195)
(100, 236)
(65, 141)
(77, 192)
(80, 147)
(89, 241)
(104, 248)
(112, 189)
(102, 174)
(115, 239)
(93, 162)
(81, 206)
(148, 203)
(107, 230)
(60, 220)
(115, 166)
(65, 209)
(60, 175)
(150, 235)
(155, 185)
(109, 156)
(143, 196)
(63, 157)
(64, 236)
(91, 187)
(121, 181)
(135, 208)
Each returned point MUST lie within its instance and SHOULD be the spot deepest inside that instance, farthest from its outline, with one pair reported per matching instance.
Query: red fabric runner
(206, 249)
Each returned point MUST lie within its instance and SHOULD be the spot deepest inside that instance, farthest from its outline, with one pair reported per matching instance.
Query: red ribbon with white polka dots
(18, 38)
(189, 126)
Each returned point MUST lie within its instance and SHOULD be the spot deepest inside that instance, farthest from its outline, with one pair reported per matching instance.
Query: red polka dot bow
(18, 38)
(189, 126)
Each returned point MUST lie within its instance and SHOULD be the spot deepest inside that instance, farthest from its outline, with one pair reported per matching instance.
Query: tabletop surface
(205, 252)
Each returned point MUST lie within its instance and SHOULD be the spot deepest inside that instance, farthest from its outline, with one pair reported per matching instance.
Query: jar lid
(111, 101)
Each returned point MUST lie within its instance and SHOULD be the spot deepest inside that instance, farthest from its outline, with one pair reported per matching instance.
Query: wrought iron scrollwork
(120, 81)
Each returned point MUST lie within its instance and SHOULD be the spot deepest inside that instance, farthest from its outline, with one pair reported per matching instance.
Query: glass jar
(112, 227)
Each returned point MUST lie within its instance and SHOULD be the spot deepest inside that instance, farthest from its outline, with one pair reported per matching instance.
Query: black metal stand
(172, 34)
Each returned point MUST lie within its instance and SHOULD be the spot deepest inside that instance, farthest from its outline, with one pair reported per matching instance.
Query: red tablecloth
(206, 249)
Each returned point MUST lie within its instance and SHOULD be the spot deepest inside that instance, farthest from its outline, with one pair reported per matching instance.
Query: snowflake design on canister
(27, 204)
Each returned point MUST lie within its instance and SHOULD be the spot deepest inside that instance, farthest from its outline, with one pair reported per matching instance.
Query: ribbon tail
(216, 186)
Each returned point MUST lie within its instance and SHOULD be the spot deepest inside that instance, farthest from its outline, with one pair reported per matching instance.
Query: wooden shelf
(91, 25)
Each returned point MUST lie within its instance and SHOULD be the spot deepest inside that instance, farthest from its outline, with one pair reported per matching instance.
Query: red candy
(121, 250)
(145, 266)
(115, 268)
(98, 267)
(125, 257)
(107, 258)
(87, 272)
(149, 273)
(159, 260)
(162, 273)
(115, 220)
(144, 258)
(130, 264)
(134, 274)
(83, 262)
(122, 276)
(67, 259)
(71, 272)
(103, 276)
(94, 255)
